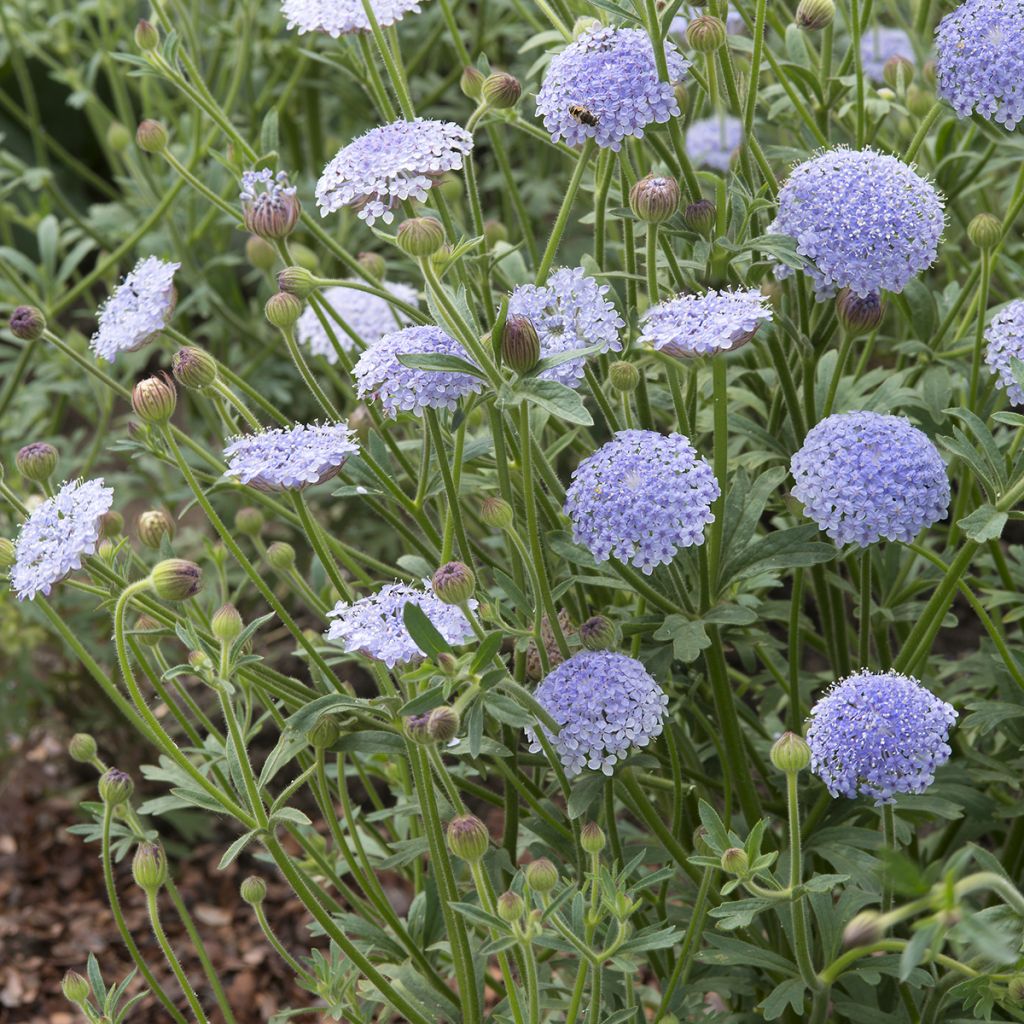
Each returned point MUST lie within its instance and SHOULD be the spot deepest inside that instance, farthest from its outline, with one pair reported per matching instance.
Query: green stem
(171, 958)
(558, 229)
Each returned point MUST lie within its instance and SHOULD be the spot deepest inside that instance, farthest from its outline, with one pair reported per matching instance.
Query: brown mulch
(54, 911)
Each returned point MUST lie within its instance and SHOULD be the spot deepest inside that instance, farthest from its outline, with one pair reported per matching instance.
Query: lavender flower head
(865, 220)
(698, 325)
(342, 17)
(367, 316)
(979, 61)
(605, 704)
(605, 86)
(881, 43)
(57, 535)
(640, 498)
(712, 141)
(864, 476)
(878, 735)
(292, 458)
(138, 308)
(568, 312)
(1005, 342)
(374, 626)
(381, 375)
(389, 164)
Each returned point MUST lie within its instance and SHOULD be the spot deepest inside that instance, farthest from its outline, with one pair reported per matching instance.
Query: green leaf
(585, 792)
(269, 135)
(423, 632)
(427, 701)
(235, 849)
(717, 836)
(787, 993)
(555, 398)
(292, 814)
(440, 363)
(485, 653)
(688, 638)
(914, 951)
(983, 524)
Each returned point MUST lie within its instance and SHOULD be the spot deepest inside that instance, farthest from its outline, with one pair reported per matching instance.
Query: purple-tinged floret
(138, 308)
(342, 17)
(1005, 342)
(698, 325)
(292, 458)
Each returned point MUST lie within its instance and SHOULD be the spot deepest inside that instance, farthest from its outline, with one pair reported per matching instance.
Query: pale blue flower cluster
(138, 308)
(569, 311)
(979, 60)
(1005, 342)
(57, 535)
(605, 86)
(640, 498)
(380, 374)
(699, 325)
(881, 43)
(865, 220)
(712, 141)
(369, 317)
(374, 626)
(290, 458)
(865, 476)
(341, 17)
(879, 735)
(389, 164)
(605, 704)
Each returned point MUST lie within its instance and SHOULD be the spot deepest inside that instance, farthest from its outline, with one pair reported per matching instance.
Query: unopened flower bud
(420, 236)
(82, 748)
(283, 309)
(623, 377)
(472, 82)
(863, 930)
(281, 556)
(919, 101)
(450, 186)
(147, 35)
(468, 838)
(200, 661)
(373, 263)
(324, 732)
(443, 724)
(454, 583)
(115, 787)
(6, 553)
(929, 74)
(296, 281)
(815, 14)
(496, 513)
(592, 838)
(119, 138)
(1015, 988)
(735, 861)
(510, 906)
(253, 890)
(502, 90)
(226, 624)
(249, 521)
(494, 232)
(416, 728)
(790, 753)
(111, 524)
(706, 33)
(541, 875)
(655, 198)
(304, 256)
(270, 207)
(859, 315)
(176, 579)
(194, 368)
(520, 344)
(154, 399)
(897, 72)
(151, 136)
(700, 216)
(27, 323)
(447, 663)
(145, 625)
(260, 253)
(149, 867)
(598, 633)
(153, 525)
(75, 987)
(985, 230)
(36, 461)
(360, 420)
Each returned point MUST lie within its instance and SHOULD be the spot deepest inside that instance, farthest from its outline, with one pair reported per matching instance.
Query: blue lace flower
(342, 17)
(697, 325)
(292, 458)
(138, 308)
(1005, 342)
(712, 141)
(881, 43)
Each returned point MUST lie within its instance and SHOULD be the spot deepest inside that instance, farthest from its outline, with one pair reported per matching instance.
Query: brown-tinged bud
(420, 237)
(701, 217)
(226, 624)
(598, 633)
(655, 198)
(111, 524)
(735, 861)
(324, 732)
(472, 82)
(520, 344)
(496, 513)
(281, 556)
(541, 875)
(270, 207)
(283, 309)
(260, 253)
(706, 33)
(82, 748)
(6, 553)
(147, 35)
(75, 987)
(468, 838)
(929, 74)
(36, 461)
(373, 264)
(985, 230)
(919, 101)
(592, 838)
(863, 930)
(790, 753)
(443, 724)
(115, 787)
(304, 256)
(502, 90)
(510, 906)
(454, 583)
(296, 281)
(154, 399)
(857, 314)
(27, 323)
(147, 631)
(149, 867)
(176, 579)
(153, 525)
(194, 368)
(151, 136)
(897, 72)
(249, 521)
(360, 420)
(813, 15)
(494, 232)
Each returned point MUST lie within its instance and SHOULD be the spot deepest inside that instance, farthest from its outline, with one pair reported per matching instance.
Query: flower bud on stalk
(151, 136)
(985, 231)
(149, 867)
(735, 861)
(147, 35)
(119, 138)
(701, 217)
(496, 513)
(472, 82)
(260, 253)
(253, 890)
(175, 579)
(706, 33)
(624, 377)
(36, 461)
(296, 281)
(281, 556)
(145, 625)
(249, 521)
(468, 838)
(1015, 988)
(226, 624)
(520, 344)
(541, 875)
(454, 583)
(494, 232)
(859, 315)
(270, 207)
(27, 323)
(193, 368)
(815, 14)
(864, 929)
(420, 236)
(510, 907)
(115, 787)
(6, 553)
(898, 72)
(919, 101)
(324, 732)
(598, 633)
(111, 524)
(502, 90)
(283, 310)
(443, 724)
(75, 987)
(790, 753)
(154, 399)
(592, 838)
(373, 263)
(82, 748)
(152, 526)
(654, 199)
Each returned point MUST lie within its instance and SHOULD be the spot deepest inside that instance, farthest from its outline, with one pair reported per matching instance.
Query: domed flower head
(367, 316)
(138, 308)
(864, 476)
(865, 220)
(374, 625)
(605, 704)
(341, 17)
(979, 60)
(641, 497)
(712, 141)
(1005, 340)
(389, 164)
(380, 375)
(293, 458)
(878, 735)
(57, 535)
(605, 86)
(569, 311)
(270, 207)
(699, 325)
(881, 43)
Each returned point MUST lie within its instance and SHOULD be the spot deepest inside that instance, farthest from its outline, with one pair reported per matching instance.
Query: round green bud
(324, 732)
(151, 136)
(115, 787)
(929, 74)
(111, 524)
(283, 309)
(443, 724)
(296, 281)
(119, 138)
(260, 253)
(1015, 988)
(249, 521)
(27, 323)
(592, 838)
(985, 230)
(496, 513)
(919, 101)
(471, 82)
(701, 217)
(494, 232)
(253, 890)
(502, 90)
(706, 33)
(468, 838)
(510, 906)
(304, 256)
(623, 376)
(153, 525)
(859, 315)
(281, 556)
(654, 199)
(154, 399)
(36, 461)
(598, 633)
(420, 237)
(75, 987)
(451, 187)
(82, 748)
(812, 15)
(454, 583)
(194, 368)
(700, 842)
(147, 35)
(373, 264)
(735, 861)
(541, 875)
(200, 661)
(790, 753)
(864, 929)
(149, 867)
(520, 344)
(148, 631)
(6, 553)
(176, 579)
(105, 551)
(447, 663)
(226, 624)
(897, 72)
